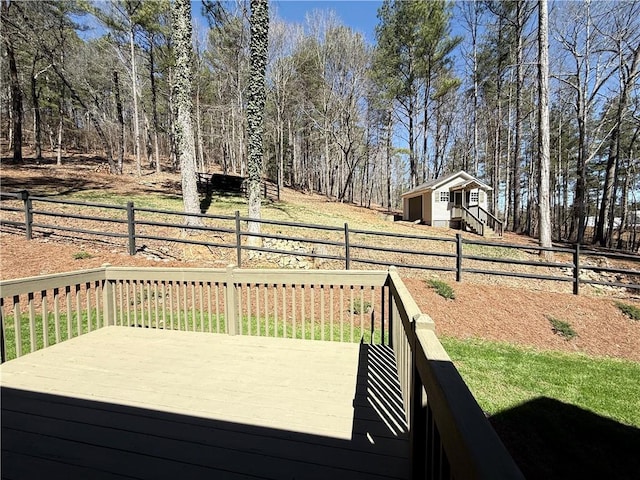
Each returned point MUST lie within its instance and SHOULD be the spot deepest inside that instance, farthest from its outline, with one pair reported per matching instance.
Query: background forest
(444, 86)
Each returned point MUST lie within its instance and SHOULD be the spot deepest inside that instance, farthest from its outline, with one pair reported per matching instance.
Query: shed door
(415, 208)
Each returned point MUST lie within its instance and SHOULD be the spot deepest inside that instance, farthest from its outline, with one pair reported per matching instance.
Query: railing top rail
(473, 447)
(44, 282)
(490, 215)
(373, 278)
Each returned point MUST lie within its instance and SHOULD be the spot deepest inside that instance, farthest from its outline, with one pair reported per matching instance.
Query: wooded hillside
(444, 86)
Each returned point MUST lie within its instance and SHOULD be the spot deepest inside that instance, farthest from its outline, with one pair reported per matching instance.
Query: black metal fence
(340, 246)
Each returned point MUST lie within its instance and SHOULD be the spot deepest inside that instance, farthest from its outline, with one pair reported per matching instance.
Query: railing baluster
(98, 293)
(163, 290)
(146, 320)
(45, 319)
(285, 322)
(32, 322)
(67, 295)
(255, 305)
(247, 313)
(87, 294)
(331, 312)
(209, 305)
(266, 313)
(56, 313)
(294, 333)
(171, 289)
(351, 316)
(193, 306)
(127, 286)
(78, 310)
(17, 324)
(313, 312)
(342, 313)
(156, 304)
(303, 305)
(218, 308)
(201, 300)
(275, 310)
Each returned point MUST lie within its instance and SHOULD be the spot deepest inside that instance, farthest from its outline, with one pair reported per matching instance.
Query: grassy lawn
(193, 321)
(560, 415)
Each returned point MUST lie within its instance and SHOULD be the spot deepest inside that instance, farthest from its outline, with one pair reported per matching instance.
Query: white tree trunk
(544, 218)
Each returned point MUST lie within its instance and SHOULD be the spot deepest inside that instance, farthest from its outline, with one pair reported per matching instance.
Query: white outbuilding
(447, 201)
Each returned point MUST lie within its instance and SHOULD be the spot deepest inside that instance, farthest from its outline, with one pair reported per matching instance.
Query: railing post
(238, 240)
(347, 259)
(576, 269)
(231, 302)
(458, 257)
(108, 299)
(28, 214)
(131, 227)
(3, 354)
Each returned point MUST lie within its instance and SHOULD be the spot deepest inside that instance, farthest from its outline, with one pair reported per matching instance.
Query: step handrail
(496, 221)
(472, 220)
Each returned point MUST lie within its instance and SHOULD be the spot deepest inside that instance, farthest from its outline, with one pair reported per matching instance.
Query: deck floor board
(144, 403)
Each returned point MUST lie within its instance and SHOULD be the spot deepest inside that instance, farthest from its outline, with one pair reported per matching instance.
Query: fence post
(347, 259)
(238, 240)
(458, 257)
(28, 214)
(231, 302)
(576, 269)
(131, 227)
(108, 298)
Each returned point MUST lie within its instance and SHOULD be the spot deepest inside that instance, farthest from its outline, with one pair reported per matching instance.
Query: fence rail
(449, 434)
(338, 246)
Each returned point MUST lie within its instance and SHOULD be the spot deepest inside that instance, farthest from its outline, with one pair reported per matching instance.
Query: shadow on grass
(554, 440)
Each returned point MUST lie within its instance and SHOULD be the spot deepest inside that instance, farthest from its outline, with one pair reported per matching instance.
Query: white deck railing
(449, 434)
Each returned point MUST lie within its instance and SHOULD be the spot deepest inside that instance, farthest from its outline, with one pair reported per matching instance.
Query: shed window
(481, 197)
(444, 196)
(473, 197)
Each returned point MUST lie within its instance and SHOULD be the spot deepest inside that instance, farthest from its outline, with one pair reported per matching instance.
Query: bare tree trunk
(60, 125)
(626, 79)
(116, 88)
(255, 107)
(544, 156)
(154, 106)
(134, 90)
(16, 93)
(186, 151)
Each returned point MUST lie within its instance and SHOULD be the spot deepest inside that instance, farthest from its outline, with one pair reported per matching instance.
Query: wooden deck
(123, 402)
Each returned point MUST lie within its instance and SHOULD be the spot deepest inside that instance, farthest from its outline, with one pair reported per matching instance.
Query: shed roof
(469, 182)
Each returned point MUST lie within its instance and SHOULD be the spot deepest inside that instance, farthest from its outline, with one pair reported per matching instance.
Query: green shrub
(630, 311)
(81, 255)
(562, 328)
(358, 306)
(442, 288)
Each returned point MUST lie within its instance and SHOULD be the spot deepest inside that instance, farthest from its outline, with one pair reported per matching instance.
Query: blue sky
(359, 15)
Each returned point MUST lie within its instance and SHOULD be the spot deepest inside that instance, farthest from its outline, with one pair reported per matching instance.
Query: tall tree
(255, 108)
(625, 40)
(544, 160)
(181, 18)
(16, 92)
